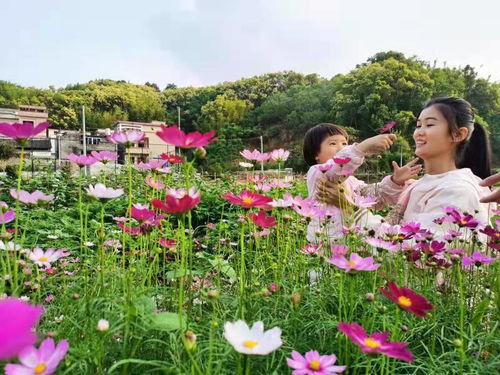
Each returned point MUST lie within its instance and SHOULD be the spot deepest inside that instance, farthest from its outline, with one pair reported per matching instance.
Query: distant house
(151, 147)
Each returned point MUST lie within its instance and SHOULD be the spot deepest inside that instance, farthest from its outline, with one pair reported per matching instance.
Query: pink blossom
(311, 249)
(265, 188)
(178, 201)
(22, 131)
(99, 191)
(355, 263)
(262, 220)
(376, 343)
(264, 232)
(341, 161)
(255, 155)
(155, 184)
(104, 156)
(248, 199)
(338, 250)
(175, 136)
(42, 361)
(45, 258)
(275, 183)
(7, 217)
(16, 326)
(127, 138)
(387, 127)
(31, 198)
(82, 160)
(477, 259)
(150, 165)
(314, 364)
(382, 244)
(365, 202)
(323, 167)
(280, 155)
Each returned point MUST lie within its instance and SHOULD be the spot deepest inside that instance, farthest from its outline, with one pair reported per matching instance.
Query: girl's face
(329, 147)
(432, 137)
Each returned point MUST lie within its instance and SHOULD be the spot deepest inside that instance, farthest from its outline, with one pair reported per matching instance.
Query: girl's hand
(408, 171)
(379, 143)
(490, 181)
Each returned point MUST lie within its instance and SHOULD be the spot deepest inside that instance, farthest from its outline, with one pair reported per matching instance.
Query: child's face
(329, 147)
(432, 136)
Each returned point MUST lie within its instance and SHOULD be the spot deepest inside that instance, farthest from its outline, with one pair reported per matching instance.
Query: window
(144, 143)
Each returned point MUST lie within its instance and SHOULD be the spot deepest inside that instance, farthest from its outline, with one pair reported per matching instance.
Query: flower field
(161, 270)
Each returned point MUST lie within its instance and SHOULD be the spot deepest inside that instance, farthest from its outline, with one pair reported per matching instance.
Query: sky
(202, 42)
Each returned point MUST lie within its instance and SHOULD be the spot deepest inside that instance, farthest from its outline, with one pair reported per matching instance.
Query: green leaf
(144, 304)
(167, 321)
(479, 311)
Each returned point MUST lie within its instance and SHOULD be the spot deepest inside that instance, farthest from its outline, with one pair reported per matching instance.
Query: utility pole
(179, 117)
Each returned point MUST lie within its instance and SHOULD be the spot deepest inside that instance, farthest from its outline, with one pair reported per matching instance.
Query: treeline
(279, 106)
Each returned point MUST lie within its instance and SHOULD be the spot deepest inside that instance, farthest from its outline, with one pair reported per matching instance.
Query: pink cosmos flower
(7, 217)
(45, 258)
(365, 202)
(341, 161)
(255, 155)
(309, 209)
(178, 201)
(256, 178)
(263, 187)
(16, 326)
(82, 160)
(387, 127)
(355, 263)
(277, 184)
(477, 259)
(248, 199)
(382, 244)
(134, 231)
(280, 155)
(104, 157)
(172, 159)
(467, 221)
(155, 184)
(150, 165)
(323, 167)
(338, 250)
(264, 232)
(31, 198)
(177, 137)
(286, 201)
(99, 191)
(42, 361)
(146, 217)
(407, 299)
(314, 364)
(311, 249)
(376, 343)
(127, 138)
(262, 220)
(22, 131)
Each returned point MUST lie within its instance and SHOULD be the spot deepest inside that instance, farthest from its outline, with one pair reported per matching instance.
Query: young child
(325, 141)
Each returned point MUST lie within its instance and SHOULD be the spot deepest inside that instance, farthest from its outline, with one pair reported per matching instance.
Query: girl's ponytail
(476, 153)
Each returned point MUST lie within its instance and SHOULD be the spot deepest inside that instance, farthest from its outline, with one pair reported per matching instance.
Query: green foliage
(7, 150)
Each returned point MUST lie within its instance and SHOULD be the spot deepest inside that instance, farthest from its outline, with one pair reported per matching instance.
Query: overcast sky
(201, 42)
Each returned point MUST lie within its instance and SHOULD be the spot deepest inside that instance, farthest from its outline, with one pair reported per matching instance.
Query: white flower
(102, 325)
(9, 246)
(52, 237)
(99, 191)
(252, 341)
(246, 165)
(88, 244)
(24, 298)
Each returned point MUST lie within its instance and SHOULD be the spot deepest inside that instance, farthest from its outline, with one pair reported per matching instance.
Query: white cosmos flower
(9, 246)
(246, 165)
(253, 340)
(99, 191)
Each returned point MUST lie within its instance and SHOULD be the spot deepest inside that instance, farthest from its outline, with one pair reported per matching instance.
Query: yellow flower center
(352, 263)
(371, 343)
(404, 301)
(250, 344)
(188, 142)
(40, 368)
(247, 200)
(43, 259)
(314, 365)
(463, 222)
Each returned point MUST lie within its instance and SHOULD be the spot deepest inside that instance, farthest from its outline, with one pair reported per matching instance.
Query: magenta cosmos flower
(314, 364)
(255, 155)
(407, 299)
(177, 137)
(178, 201)
(355, 263)
(387, 127)
(477, 259)
(262, 220)
(127, 138)
(7, 217)
(16, 326)
(104, 157)
(248, 199)
(31, 198)
(42, 361)
(376, 343)
(21, 132)
(82, 160)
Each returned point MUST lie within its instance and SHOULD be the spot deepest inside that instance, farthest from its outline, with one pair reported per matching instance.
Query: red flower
(22, 131)
(248, 199)
(172, 159)
(177, 137)
(388, 127)
(178, 201)
(407, 299)
(262, 220)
